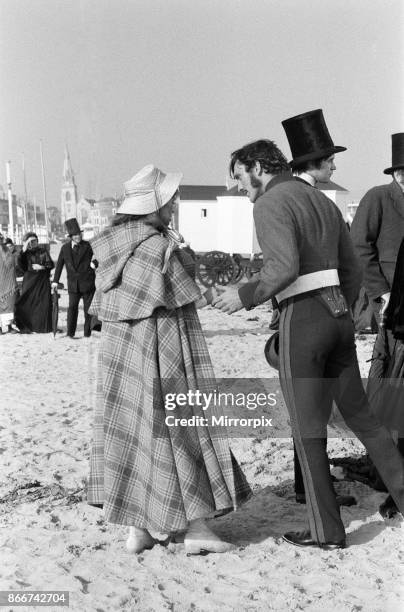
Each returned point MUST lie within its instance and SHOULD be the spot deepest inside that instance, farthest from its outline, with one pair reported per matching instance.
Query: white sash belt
(309, 282)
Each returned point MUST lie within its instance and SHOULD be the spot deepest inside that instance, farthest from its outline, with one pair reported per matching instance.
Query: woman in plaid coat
(145, 473)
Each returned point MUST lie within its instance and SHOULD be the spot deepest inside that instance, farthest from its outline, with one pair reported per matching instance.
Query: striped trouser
(318, 364)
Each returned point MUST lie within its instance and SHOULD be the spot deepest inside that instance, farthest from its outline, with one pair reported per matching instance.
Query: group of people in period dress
(29, 309)
(152, 477)
(137, 279)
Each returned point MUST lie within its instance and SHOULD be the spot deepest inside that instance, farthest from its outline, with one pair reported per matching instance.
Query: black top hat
(72, 227)
(309, 137)
(397, 154)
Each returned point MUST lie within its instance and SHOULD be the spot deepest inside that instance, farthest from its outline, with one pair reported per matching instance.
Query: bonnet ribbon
(175, 240)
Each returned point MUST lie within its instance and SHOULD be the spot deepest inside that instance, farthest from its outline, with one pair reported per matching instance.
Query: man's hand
(385, 302)
(54, 285)
(228, 301)
(37, 267)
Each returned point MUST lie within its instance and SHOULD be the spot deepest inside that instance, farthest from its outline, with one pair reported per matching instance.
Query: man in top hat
(309, 264)
(377, 231)
(77, 256)
(313, 170)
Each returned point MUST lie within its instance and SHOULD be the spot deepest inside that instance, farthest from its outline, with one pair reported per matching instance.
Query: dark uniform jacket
(300, 231)
(377, 231)
(80, 276)
(395, 309)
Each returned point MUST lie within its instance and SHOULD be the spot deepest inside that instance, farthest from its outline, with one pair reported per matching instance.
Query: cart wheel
(215, 268)
(239, 271)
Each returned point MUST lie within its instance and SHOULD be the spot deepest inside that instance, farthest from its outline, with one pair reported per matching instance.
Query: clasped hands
(226, 300)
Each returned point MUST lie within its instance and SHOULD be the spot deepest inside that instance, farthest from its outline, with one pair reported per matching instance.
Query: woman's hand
(207, 297)
(25, 245)
(37, 267)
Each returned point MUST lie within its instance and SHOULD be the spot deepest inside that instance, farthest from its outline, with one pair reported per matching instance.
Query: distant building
(101, 213)
(4, 218)
(92, 215)
(212, 218)
(196, 216)
(84, 206)
(69, 190)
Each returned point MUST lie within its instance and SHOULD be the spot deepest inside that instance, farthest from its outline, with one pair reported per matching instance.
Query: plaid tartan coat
(144, 472)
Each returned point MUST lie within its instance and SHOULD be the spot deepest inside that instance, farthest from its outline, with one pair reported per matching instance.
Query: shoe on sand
(139, 540)
(200, 540)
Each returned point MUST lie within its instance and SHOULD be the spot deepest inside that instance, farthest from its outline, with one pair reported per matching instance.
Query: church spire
(68, 174)
(69, 190)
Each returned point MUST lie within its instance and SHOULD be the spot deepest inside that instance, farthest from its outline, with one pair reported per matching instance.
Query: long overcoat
(143, 471)
(80, 275)
(377, 231)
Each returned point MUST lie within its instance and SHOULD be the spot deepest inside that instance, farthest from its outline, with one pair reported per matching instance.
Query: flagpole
(10, 202)
(44, 191)
(25, 192)
(35, 219)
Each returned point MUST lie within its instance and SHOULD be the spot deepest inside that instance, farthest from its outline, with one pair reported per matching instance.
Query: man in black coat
(377, 231)
(77, 256)
(309, 264)
(378, 228)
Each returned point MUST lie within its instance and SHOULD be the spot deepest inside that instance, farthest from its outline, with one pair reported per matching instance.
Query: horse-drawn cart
(219, 268)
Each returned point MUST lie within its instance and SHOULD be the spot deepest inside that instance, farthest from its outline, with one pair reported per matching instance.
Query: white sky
(182, 83)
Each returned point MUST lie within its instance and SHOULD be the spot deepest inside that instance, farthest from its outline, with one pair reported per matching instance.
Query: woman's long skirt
(33, 309)
(144, 472)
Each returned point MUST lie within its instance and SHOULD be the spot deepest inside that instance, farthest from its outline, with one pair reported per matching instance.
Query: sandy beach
(52, 540)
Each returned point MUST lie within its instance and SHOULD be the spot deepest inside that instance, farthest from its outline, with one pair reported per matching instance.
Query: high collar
(307, 178)
(279, 178)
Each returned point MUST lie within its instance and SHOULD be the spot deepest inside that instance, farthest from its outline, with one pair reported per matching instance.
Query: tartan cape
(129, 281)
(144, 472)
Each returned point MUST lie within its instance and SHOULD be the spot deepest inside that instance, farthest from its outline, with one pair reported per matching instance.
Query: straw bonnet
(149, 190)
(309, 138)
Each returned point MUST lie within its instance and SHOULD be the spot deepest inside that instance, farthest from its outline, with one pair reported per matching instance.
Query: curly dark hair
(266, 152)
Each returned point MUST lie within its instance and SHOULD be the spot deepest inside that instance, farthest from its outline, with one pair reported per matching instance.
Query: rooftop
(201, 192)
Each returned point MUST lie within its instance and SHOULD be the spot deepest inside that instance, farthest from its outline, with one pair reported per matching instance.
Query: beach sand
(52, 540)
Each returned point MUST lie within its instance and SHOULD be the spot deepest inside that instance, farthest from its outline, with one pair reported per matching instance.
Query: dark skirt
(33, 309)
